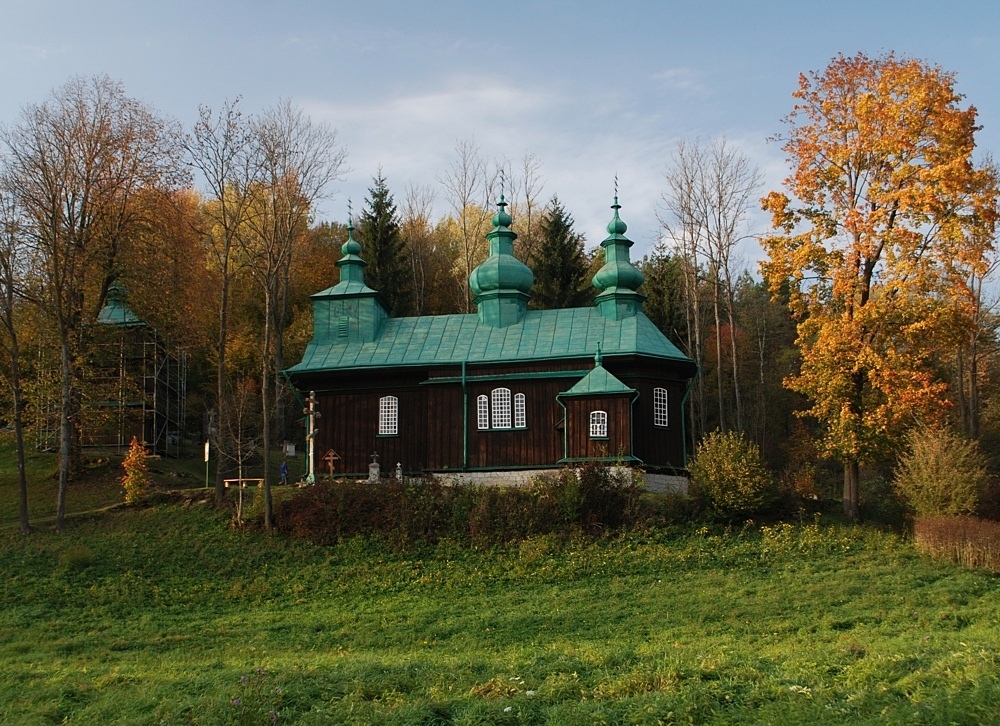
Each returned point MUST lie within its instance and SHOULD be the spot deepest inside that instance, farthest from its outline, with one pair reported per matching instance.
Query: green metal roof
(596, 382)
(450, 339)
(116, 311)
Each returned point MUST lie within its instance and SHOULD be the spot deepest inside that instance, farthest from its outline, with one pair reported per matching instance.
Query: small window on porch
(598, 424)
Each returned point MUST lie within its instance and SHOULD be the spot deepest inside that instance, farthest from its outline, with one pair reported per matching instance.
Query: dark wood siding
(579, 445)
(539, 444)
(349, 424)
(658, 445)
(442, 425)
(433, 409)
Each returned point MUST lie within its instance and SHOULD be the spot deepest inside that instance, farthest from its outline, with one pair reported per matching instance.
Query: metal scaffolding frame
(139, 389)
(134, 387)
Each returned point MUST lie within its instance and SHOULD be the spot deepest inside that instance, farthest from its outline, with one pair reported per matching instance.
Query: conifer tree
(559, 263)
(384, 249)
(664, 291)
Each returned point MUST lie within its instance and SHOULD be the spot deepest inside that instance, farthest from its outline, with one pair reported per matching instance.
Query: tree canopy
(887, 216)
(384, 248)
(558, 262)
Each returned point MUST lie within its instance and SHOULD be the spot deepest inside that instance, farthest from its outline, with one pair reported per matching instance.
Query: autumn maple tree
(886, 216)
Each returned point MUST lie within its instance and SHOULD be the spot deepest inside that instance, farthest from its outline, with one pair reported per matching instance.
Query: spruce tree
(559, 263)
(664, 291)
(384, 249)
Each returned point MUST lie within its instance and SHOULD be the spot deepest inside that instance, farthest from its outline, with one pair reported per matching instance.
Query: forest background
(211, 230)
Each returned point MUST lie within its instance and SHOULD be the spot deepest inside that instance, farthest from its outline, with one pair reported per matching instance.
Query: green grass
(98, 487)
(157, 615)
(166, 614)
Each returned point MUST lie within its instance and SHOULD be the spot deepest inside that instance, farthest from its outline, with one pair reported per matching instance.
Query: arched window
(494, 411)
(520, 414)
(483, 412)
(598, 425)
(660, 417)
(501, 408)
(388, 416)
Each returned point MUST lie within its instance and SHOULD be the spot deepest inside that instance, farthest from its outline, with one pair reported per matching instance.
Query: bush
(728, 472)
(965, 541)
(593, 499)
(942, 474)
(136, 479)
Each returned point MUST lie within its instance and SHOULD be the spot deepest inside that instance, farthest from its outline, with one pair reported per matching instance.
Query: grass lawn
(166, 615)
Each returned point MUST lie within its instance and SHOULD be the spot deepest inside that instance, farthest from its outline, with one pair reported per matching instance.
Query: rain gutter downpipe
(465, 419)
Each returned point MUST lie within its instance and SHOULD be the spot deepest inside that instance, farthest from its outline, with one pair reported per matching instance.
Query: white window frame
(501, 408)
(520, 411)
(661, 416)
(388, 416)
(483, 412)
(598, 424)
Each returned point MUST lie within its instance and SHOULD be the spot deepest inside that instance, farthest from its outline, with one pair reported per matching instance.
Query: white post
(311, 415)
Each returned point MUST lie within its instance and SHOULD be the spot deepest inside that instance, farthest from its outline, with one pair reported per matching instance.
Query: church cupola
(618, 279)
(351, 266)
(502, 283)
(350, 309)
(116, 310)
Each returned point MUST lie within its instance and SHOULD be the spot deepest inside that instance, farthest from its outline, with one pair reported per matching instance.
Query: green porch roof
(597, 382)
(451, 339)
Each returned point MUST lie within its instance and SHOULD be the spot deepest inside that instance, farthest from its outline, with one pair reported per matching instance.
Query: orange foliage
(888, 215)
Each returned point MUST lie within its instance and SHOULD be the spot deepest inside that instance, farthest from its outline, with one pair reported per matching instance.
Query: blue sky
(593, 89)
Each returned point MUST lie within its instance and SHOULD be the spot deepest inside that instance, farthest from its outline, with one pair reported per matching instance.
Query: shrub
(942, 474)
(331, 512)
(593, 499)
(966, 541)
(136, 480)
(728, 471)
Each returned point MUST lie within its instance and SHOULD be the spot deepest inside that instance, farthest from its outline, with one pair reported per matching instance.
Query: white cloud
(680, 79)
(582, 140)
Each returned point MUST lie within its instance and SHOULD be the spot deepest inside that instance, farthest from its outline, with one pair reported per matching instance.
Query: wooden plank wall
(578, 441)
(430, 419)
(540, 444)
(656, 445)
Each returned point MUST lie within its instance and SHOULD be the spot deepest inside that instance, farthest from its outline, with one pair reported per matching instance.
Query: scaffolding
(134, 387)
(138, 389)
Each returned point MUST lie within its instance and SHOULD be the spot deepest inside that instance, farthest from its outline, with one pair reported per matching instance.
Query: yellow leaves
(884, 219)
(781, 216)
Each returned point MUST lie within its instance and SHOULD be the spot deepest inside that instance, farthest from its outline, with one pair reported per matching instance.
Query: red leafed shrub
(424, 511)
(966, 541)
(403, 513)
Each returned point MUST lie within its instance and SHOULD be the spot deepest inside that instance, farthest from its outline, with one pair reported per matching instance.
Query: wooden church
(501, 393)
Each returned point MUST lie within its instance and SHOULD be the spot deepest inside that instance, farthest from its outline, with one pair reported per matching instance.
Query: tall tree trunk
(220, 390)
(22, 481)
(731, 302)
(974, 389)
(852, 473)
(718, 351)
(688, 325)
(698, 353)
(265, 405)
(65, 429)
(963, 404)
